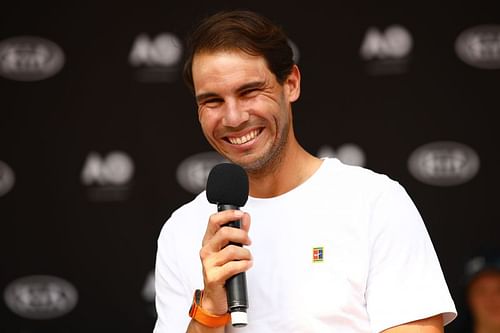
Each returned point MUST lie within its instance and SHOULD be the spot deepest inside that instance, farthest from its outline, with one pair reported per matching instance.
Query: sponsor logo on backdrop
(29, 58)
(109, 177)
(156, 59)
(444, 163)
(479, 46)
(7, 179)
(295, 51)
(148, 294)
(148, 290)
(474, 265)
(192, 173)
(348, 153)
(387, 51)
(40, 297)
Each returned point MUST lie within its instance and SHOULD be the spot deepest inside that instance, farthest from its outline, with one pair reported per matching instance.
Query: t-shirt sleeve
(405, 281)
(172, 298)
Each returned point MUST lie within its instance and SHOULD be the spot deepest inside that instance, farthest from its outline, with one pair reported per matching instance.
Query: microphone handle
(236, 286)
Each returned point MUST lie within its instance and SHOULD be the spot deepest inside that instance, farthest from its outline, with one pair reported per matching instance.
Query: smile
(245, 138)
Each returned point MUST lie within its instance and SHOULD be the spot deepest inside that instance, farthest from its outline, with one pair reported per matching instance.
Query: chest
(310, 265)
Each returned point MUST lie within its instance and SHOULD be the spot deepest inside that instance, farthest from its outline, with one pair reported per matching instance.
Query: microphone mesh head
(227, 184)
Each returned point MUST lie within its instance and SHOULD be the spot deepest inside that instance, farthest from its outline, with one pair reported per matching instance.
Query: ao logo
(116, 168)
(164, 50)
(394, 42)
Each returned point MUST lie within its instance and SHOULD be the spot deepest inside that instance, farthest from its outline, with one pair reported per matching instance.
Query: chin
(264, 164)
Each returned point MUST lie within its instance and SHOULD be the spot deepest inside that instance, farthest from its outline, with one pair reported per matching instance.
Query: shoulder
(191, 216)
(196, 206)
(357, 179)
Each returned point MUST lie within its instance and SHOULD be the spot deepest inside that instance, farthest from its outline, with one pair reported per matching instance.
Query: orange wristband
(203, 317)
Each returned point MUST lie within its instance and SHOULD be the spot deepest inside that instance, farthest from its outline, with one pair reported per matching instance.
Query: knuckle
(231, 251)
(203, 253)
(213, 219)
(225, 232)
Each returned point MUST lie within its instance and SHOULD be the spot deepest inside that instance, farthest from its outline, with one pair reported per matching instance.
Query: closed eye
(250, 92)
(251, 89)
(211, 102)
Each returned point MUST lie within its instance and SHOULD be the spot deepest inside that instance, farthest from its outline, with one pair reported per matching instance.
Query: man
(483, 293)
(334, 248)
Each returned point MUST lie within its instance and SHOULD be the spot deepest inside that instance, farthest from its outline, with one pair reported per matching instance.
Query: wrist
(204, 316)
(214, 302)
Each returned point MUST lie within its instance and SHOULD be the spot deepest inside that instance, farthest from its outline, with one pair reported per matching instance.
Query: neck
(293, 168)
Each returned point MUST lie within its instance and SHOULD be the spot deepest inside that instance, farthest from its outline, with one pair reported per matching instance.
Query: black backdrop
(96, 155)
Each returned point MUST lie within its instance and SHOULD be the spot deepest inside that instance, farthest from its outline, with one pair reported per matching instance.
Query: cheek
(207, 121)
(475, 302)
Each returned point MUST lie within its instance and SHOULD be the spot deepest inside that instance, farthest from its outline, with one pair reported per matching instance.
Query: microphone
(227, 187)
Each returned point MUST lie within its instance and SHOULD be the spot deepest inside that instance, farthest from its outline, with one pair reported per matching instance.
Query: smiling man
(243, 111)
(334, 248)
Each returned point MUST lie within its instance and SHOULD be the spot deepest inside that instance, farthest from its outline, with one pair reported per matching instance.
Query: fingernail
(238, 213)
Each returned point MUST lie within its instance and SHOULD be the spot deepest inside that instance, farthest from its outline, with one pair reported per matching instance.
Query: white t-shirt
(346, 251)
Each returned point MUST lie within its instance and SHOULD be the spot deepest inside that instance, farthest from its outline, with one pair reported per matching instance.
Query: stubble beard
(271, 159)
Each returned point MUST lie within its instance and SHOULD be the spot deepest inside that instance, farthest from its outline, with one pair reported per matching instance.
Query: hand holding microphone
(224, 260)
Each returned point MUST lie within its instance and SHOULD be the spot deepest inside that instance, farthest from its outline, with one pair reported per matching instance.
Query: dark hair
(488, 260)
(484, 259)
(241, 30)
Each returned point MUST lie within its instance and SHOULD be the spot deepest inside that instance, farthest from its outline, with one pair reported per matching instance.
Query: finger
(218, 219)
(234, 267)
(217, 275)
(245, 222)
(227, 254)
(213, 263)
(223, 237)
(217, 266)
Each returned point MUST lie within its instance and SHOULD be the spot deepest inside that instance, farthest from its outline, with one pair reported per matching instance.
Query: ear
(292, 84)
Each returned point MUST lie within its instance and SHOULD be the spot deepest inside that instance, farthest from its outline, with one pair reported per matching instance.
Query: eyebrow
(246, 86)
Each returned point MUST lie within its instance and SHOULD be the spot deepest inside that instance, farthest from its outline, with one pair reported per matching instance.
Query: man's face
(484, 299)
(244, 112)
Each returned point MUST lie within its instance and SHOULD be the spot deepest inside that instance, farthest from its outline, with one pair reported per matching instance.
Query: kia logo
(40, 297)
(29, 58)
(444, 163)
(193, 172)
(479, 46)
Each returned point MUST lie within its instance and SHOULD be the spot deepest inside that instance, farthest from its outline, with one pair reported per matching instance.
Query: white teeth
(244, 139)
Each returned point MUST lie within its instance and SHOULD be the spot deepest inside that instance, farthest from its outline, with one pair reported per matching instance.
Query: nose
(234, 114)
